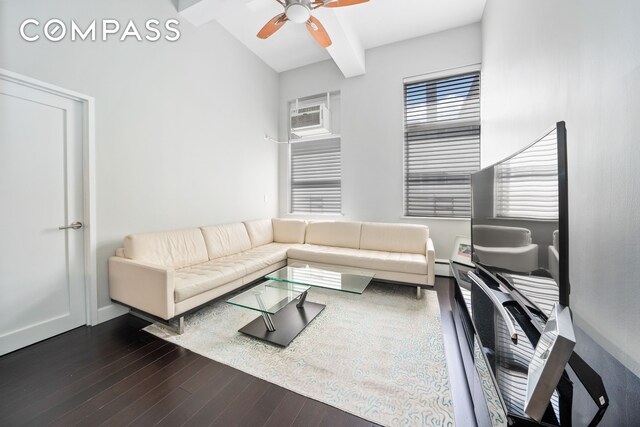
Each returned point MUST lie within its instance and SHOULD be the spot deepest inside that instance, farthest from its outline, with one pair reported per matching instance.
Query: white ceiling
(353, 29)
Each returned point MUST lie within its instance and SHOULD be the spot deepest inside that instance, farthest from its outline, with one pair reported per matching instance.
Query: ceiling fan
(301, 11)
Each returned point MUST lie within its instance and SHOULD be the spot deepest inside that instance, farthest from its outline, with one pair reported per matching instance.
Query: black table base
(288, 323)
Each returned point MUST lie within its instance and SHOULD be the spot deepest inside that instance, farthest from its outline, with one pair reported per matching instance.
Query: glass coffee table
(282, 299)
(338, 278)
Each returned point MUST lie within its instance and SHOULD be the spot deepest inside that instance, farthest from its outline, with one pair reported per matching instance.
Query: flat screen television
(519, 229)
(519, 216)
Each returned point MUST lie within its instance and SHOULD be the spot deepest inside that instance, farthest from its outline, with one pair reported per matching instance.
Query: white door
(42, 291)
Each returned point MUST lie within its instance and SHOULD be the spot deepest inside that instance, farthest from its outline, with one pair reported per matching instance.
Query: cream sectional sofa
(167, 274)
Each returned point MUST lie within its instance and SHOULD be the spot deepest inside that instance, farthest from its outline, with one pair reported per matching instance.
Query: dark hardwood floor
(114, 374)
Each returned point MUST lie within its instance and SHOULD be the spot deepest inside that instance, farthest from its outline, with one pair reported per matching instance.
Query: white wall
(577, 61)
(372, 124)
(179, 125)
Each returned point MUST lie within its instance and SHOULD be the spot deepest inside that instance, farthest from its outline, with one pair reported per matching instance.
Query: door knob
(75, 225)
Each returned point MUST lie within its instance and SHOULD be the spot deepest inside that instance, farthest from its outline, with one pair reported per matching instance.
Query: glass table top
(334, 277)
(266, 298)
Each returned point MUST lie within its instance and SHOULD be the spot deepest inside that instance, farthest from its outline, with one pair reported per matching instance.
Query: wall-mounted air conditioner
(310, 120)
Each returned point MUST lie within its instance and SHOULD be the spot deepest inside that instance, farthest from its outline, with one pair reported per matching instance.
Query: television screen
(519, 216)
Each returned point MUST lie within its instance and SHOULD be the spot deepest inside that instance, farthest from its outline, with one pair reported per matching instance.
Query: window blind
(316, 171)
(442, 145)
(527, 184)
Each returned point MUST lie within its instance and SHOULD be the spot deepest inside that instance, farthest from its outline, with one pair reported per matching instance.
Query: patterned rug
(379, 355)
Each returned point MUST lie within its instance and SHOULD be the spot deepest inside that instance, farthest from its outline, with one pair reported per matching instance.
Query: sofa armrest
(147, 287)
(431, 263)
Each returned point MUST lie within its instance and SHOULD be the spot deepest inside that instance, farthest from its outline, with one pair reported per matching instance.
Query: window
(315, 164)
(316, 171)
(441, 145)
(527, 184)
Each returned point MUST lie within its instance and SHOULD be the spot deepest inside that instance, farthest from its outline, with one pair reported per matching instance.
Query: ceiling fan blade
(342, 3)
(272, 26)
(318, 32)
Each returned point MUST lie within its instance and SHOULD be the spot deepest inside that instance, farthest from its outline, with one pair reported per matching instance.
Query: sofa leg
(179, 326)
(418, 292)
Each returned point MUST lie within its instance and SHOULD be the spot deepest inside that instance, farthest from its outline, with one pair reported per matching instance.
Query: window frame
(444, 73)
(290, 145)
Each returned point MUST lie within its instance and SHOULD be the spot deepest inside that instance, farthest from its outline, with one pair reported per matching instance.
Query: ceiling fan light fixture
(298, 12)
(301, 12)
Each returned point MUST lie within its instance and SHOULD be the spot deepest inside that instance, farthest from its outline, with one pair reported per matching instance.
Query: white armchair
(554, 256)
(505, 247)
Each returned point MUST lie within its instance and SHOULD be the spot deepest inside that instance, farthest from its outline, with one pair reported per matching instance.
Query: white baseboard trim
(111, 311)
(442, 268)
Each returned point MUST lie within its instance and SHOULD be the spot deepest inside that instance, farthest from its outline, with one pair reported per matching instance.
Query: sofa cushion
(226, 239)
(261, 257)
(288, 230)
(409, 238)
(359, 258)
(271, 253)
(334, 233)
(176, 249)
(260, 232)
(196, 279)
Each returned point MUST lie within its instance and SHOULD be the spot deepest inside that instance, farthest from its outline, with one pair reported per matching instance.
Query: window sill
(436, 218)
(513, 218)
(310, 214)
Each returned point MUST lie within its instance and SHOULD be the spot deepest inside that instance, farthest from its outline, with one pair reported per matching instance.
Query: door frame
(88, 182)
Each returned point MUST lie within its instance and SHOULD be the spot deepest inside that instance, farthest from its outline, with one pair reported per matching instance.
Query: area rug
(379, 355)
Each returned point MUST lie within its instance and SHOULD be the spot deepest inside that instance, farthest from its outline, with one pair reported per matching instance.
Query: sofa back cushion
(342, 234)
(408, 238)
(499, 236)
(176, 249)
(260, 232)
(288, 230)
(226, 239)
